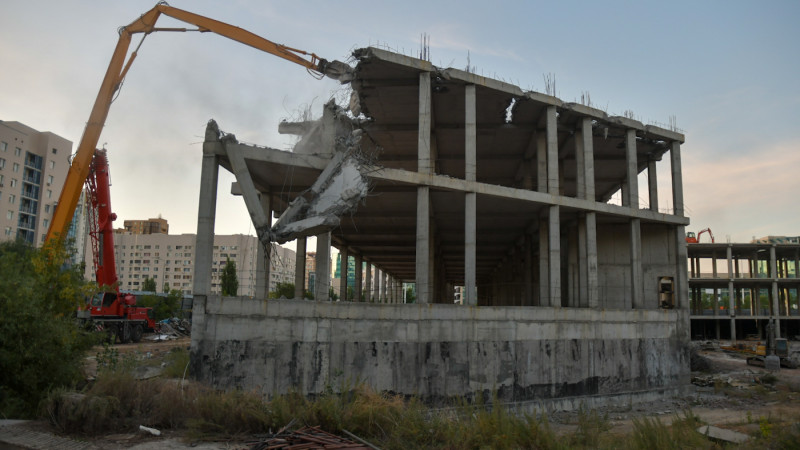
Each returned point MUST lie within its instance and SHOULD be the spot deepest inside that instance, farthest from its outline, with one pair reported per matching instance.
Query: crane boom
(118, 68)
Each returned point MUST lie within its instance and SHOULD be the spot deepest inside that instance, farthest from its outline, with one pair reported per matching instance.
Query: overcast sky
(728, 71)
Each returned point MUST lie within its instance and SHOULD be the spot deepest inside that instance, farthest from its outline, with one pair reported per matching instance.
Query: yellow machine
(118, 68)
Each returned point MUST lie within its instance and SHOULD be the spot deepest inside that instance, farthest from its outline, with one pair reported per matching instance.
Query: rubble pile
(173, 328)
(307, 438)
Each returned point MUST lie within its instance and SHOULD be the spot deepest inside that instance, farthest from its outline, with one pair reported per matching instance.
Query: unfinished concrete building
(737, 289)
(568, 299)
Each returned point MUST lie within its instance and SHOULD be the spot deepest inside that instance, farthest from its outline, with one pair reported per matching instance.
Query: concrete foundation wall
(439, 351)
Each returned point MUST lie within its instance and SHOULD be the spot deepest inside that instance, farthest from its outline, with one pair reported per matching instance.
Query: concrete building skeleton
(743, 288)
(477, 183)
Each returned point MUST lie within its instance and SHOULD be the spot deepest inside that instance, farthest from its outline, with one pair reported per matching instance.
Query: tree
(230, 285)
(286, 290)
(41, 348)
(149, 285)
(163, 307)
(165, 289)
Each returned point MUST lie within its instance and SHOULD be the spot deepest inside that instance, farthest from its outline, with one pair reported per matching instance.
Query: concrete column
(300, 269)
(591, 260)
(385, 287)
(588, 158)
(470, 248)
(264, 254)
(423, 257)
(541, 161)
(682, 271)
(677, 179)
(773, 273)
(632, 180)
(582, 299)
(636, 265)
(424, 164)
(343, 259)
(681, 283)
(470, 199)
(206, 215)
(375, 294)
(554, 244)
(368, 282)
(652, 184)
(544, 262)
(580, 163)
(731, 295)
(322, 283)
(552, 152)
(527, 277)
(359, 277)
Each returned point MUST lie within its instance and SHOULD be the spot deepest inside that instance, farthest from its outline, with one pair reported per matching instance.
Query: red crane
(115, 311)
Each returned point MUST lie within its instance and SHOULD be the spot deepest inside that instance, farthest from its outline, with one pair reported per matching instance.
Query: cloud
(748, 195)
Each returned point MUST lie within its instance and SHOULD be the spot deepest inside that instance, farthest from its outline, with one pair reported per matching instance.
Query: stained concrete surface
(541, 356)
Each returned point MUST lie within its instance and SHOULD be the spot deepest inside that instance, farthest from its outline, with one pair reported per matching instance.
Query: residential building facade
(33, 167)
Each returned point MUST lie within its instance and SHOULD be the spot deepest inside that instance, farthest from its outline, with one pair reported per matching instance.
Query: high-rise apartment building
(33, 167)
(169, 260)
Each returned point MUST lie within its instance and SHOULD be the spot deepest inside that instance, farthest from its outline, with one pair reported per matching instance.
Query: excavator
(691, 238)
(111, 309)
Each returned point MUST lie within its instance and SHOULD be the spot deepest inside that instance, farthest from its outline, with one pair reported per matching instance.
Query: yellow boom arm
(115, 74)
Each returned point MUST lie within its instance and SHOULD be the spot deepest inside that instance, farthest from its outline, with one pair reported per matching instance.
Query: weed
(765, 427)
(176, 362)
(590, 426)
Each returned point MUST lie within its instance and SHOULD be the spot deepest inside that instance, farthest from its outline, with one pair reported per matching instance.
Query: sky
(726, 71)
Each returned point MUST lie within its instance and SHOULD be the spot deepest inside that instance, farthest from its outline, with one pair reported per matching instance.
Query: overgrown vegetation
(164, 307)
(228, 281)
(41, 347)
(286, 290)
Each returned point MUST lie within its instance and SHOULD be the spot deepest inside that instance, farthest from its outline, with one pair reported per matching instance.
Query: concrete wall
(439, 351)
(614, 263)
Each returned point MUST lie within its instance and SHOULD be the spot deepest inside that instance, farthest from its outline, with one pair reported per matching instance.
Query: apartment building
(149, 226)
(33, 167)
(169, 260)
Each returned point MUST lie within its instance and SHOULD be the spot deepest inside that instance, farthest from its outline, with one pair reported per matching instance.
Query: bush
(41, 347)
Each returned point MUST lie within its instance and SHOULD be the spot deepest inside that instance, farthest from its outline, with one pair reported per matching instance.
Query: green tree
(230, 285)
(163, 307)
(41, 348)
(149, 285)
(286, 290)
(165, 288)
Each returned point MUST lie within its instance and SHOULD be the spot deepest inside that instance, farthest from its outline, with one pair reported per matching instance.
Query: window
(10, 214)
(15, 168)
(2, 163)
(45, 222)
(13, 182)
(147, 247)
(8, 229)
(49, 193)
(55, 150)
(49, 179)
(11, 199)
(4, 146)
(1, 180)
(52, 164)
(17, 151)
(47, 210)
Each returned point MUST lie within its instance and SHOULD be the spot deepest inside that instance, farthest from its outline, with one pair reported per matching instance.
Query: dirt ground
(728, 394)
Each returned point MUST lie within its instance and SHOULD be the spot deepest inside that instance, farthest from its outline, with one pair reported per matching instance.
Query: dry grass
(118, 403)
